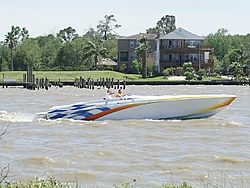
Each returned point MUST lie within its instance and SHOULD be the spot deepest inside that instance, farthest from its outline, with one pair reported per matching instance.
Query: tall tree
(221, 43)
(164, 26)
(50, 46)
(67, 34)
(70, 55)
(107, 26)
(93, 35)
(92, 51)
(24, 33)
(28, 53)
(142, 51)
(13, 37)
(238, 61)
(4, 57)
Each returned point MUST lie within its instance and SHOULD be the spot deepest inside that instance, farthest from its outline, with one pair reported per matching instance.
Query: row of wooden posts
(44, 83)
(36, 83)
(102, 82)
(78, 82)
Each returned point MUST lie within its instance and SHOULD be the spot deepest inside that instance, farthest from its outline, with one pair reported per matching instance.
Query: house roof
(108, 62)
(181, 33)
(138, 36)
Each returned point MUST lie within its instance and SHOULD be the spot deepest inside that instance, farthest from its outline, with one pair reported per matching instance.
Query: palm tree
(92, 51)
(142, 51)
(11, 40)
(13, 37)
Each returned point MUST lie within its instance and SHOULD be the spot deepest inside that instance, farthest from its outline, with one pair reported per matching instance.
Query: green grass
(71, 75)
(64, 75)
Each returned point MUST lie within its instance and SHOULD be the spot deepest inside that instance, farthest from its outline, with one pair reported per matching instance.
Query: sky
(201, 17)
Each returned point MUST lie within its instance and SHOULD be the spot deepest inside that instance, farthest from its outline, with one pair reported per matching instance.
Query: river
(103, 153)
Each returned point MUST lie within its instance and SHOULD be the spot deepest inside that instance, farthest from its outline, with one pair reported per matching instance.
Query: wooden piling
(24, 80)
(112, 83)
(124, 84)
(118, 84)
(93, 84)
(46, 83)
(37, 83)
(80, 85)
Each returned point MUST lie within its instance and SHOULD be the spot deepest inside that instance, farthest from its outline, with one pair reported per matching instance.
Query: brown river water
(215, 150)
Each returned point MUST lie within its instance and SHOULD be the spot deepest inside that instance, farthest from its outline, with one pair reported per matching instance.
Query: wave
(227, 159)
(16, 117)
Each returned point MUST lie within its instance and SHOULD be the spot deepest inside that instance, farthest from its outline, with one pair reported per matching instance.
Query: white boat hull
(144, 107)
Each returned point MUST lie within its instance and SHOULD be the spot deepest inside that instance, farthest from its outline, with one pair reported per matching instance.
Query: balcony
(185, 49)
(207, 64)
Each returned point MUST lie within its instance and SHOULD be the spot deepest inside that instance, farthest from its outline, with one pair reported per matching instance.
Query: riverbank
(91, 79)
(117, 84)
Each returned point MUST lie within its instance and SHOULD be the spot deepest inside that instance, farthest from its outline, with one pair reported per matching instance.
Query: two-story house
(126, 49)
(180, 46)
(171, 50)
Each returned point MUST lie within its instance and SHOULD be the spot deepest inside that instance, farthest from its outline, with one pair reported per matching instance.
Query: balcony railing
(208, 63)
(186, 47)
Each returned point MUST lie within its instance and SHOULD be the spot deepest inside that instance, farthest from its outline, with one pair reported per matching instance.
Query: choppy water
(99, 154)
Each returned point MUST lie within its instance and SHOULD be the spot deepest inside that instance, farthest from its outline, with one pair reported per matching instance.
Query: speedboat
(143, 107)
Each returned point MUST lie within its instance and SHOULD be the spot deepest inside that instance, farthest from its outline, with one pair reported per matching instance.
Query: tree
(4, 57)
(50, 47)
(67, 34)
(164, 26)
(188, 70)
(151, 69)
(13, 37)
(96, 37)
(28, 53)
(136, 66)
(238, 61)
(221, 43)
(93, 52)
(142, 51)
(92, 35)
(70, 55)
(153, 30)
(201, 73)
(24, 34)
(107, 26)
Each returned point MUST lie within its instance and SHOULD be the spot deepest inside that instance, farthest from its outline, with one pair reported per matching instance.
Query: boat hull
(144, 107)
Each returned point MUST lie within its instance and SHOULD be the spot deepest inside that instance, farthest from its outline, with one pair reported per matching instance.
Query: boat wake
(16, 117)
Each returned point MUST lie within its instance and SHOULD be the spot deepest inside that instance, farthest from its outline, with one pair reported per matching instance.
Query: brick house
(171, 50)
(126, 49)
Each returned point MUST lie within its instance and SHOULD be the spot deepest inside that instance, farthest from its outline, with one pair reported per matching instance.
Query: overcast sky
(201, 17)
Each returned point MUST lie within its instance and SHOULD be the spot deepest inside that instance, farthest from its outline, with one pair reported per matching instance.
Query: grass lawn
(71, 75)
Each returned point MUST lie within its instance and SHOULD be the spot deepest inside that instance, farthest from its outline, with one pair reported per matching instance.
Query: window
(192, 43)
(132, 44)
(131, 55)
(195, 58)
(124, 56)
(170, 57)
(137, 44)
(191, 57)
